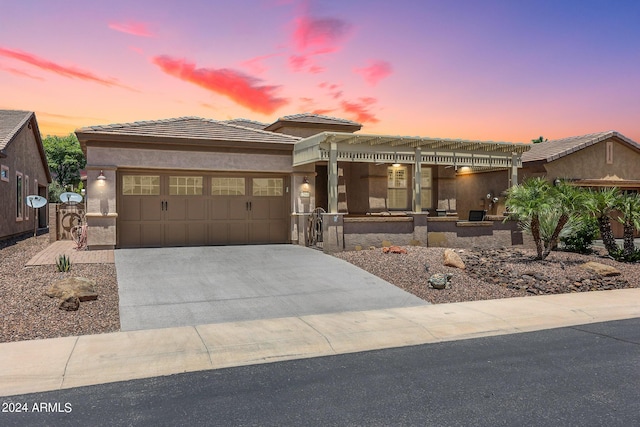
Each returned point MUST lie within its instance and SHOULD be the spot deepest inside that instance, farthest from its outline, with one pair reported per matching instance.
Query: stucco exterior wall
(194, 160)
(22, 156)
(472, 190)
(591, 163)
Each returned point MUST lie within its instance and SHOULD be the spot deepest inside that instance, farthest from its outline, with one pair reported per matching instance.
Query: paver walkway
(50, 255)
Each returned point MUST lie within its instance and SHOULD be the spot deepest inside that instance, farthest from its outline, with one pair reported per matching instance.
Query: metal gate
(314, 229)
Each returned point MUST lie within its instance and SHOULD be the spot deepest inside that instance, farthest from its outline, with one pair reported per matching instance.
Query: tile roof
(11, 121)
(189, 128)
(318, 118)
(246, 123)
(552, 150)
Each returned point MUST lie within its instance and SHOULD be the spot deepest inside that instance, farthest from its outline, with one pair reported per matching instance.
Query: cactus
(63, 264)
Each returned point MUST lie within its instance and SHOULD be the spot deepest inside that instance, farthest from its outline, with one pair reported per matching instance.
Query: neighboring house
(604, 159)
(193, 181)
(23, 171)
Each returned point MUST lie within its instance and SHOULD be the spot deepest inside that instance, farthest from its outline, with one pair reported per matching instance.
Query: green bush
(619, 255)
(583, 232)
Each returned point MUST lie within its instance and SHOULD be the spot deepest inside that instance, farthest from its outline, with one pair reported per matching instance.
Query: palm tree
(539, 140)
(629, 207)
(601, 203)
(569, 202)
(528, 201)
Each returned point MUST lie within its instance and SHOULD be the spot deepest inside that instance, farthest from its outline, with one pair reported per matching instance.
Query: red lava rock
(394, 250)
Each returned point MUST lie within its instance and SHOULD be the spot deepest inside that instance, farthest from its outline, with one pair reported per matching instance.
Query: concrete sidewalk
(52, 364)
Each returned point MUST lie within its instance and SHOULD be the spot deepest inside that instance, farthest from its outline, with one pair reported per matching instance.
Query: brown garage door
(167, 209)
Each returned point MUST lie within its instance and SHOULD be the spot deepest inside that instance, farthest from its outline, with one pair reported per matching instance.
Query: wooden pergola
(334, 147)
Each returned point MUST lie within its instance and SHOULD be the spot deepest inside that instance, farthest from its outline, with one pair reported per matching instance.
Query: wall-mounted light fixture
(305, 183)
(101, 178)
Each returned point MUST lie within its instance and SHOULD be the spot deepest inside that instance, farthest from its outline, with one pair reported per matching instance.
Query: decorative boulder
(452, 259)
(600, 269)
(69, 303)
(440, 280)
(78, 287)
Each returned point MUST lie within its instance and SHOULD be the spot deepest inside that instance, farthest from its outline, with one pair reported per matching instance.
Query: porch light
(305, 183)
(101, 178)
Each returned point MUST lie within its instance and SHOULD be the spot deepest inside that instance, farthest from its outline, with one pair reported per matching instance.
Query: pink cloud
(136, 50)
(360, 110)
(298, 62)
(313, 37)
(376, 71)
(323, 112)
(332, 89)
(20, 73)
(236, 86)
(255, 65)
(324, 32)
(139, 29)
(66, 71)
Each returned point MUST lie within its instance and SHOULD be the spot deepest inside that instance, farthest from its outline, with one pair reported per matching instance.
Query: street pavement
(585, 375)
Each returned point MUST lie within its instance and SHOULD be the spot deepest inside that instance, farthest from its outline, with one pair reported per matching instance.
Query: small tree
(65, 158)
(544, 210)
(629, 206)
(601, 204)
(528, 201)
(539, 140)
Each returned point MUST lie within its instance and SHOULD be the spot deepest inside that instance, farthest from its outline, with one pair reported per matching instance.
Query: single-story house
(23, 172)
(604, 159)
(194, 181)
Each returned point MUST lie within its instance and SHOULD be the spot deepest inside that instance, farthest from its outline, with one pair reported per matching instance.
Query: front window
(397, 197)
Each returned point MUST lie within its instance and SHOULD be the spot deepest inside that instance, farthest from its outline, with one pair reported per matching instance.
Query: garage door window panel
(141, 185)
(268, 186)
(229, 186)
(185, 186)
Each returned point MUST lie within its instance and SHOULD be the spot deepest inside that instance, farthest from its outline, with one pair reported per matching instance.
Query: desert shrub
(581, 236)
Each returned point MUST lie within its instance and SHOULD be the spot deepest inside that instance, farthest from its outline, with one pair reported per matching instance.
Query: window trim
(4, 173)
(398, 188)
(25, 193)
(19, 197)
(426, 203)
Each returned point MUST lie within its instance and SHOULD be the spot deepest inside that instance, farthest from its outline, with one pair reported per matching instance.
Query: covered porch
(385, 189)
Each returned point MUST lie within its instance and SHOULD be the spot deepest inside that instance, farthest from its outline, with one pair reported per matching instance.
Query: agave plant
(63, 264)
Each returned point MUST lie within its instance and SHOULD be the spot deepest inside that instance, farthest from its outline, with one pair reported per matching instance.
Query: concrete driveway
(168, 287)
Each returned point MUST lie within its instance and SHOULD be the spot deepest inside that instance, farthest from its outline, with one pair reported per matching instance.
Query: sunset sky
(508, 70)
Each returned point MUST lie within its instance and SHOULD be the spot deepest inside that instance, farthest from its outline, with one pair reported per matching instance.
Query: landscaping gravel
(491, 274)
(27, 313)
